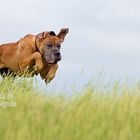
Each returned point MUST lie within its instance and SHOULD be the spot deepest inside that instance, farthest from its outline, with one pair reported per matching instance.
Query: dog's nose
(57, 55)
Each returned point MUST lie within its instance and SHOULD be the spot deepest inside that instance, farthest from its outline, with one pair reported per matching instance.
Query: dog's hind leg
(7, 72)
(4, 71)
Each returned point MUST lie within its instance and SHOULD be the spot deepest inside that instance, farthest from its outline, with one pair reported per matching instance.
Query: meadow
(91, 114)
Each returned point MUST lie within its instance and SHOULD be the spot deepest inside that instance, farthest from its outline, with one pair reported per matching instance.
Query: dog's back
(8, 56)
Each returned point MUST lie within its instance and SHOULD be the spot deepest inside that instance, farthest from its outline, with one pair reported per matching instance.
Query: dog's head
(49, 45)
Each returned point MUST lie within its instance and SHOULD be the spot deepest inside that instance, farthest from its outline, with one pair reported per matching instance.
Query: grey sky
(104, 34)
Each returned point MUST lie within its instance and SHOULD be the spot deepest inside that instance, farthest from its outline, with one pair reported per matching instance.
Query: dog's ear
(52, 33)
(43, 35)
(63, 33)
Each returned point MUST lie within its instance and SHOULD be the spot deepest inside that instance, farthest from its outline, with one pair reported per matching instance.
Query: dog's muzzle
(57, 56)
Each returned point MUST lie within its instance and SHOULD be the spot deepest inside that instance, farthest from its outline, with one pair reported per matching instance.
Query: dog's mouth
(55, 61)
(52, 61)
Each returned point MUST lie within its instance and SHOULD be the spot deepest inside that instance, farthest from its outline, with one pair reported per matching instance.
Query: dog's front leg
(48, 72)
(25, 62)
(51, 73)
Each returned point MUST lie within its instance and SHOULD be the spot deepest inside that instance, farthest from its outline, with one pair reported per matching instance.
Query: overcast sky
(104, 35)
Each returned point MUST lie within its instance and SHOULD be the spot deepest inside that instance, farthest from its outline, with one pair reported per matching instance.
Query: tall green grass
(27, 114)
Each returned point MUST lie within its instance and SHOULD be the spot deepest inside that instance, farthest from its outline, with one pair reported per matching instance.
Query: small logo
(6, 100)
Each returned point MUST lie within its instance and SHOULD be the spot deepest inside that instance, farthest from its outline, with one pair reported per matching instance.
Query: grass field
(27, 114)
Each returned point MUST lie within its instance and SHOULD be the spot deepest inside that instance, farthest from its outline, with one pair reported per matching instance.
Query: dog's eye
(49, 46)
(59, 46)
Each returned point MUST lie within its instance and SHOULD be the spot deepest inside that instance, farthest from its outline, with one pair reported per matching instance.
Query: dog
(38, 54)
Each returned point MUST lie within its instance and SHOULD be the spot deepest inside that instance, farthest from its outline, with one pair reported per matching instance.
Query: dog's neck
(36, 46)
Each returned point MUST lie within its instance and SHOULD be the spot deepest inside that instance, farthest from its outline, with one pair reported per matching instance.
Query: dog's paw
(47, 81)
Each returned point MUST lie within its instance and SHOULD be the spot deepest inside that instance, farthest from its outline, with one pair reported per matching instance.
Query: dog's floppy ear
(63, 33)
(43, 35)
